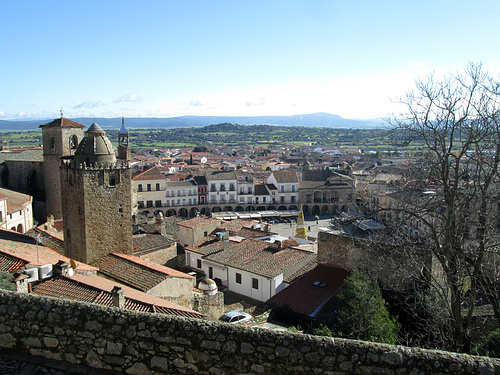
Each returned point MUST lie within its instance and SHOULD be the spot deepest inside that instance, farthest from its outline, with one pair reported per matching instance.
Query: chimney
(61, 268)
(21, 280)
(160, 224)
(118, 295)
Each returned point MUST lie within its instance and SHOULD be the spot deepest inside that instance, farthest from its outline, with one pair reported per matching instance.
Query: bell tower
(123, 145)
(60, 139)
(96, 200)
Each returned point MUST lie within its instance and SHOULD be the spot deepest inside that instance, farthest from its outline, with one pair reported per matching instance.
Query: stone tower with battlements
(60, 139)
(97, 204)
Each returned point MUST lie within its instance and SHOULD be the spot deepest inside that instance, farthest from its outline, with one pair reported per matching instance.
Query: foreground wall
(142, 343)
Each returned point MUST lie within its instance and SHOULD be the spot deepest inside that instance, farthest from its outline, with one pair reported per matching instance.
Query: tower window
(52, 143)
(112, 181)
(73, 142)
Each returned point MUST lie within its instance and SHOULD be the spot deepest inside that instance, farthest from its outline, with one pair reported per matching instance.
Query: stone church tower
(96, 200)
(123, 146)
(60, 139)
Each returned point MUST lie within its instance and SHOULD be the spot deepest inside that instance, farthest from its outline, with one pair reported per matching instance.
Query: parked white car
(234, 317)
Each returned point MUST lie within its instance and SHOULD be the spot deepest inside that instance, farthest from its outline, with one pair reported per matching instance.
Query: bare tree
(453, 193)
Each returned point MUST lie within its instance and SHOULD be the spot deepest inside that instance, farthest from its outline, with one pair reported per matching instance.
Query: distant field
(242, 135)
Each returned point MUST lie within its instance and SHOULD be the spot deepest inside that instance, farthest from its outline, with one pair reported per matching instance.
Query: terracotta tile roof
(54, 241)
(221, 175)
(96, 289)
(62, 123)
(15, 201)
(251, 233)
(11, 264)
(312, 291)
(255, 256)
(146, 242)
(151, 174)
(236, 224)
(183, 183)
(24, 248)
(136, 272)
(286, 176)
(199, 221)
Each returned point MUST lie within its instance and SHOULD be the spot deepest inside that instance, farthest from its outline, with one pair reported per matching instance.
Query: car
(234, 317)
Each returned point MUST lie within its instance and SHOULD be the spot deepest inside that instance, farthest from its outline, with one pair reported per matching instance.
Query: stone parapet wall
(143, 343)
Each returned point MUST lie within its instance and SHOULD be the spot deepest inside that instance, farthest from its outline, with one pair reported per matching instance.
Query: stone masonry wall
(143, 343)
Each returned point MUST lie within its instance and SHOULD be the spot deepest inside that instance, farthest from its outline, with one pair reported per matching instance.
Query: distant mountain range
(323, 120)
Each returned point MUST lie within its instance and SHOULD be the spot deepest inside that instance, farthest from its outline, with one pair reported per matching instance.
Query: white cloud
(195, 103)
(2, 114)
(89, 104)
(260, 102)
(129, 98)
(417, 63)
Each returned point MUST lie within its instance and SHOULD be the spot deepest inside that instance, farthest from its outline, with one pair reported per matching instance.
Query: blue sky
(236, 58)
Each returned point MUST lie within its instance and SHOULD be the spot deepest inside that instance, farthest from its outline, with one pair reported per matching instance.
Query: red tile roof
(151, 174)
(136, 272)
(286, 176)
(312, 291)
(198, 222)
(62, 123)
(96, 289)
(255, 256)
(15, 201)
(24, 248)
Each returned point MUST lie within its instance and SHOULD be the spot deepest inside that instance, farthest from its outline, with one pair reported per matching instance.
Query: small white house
(16, 211)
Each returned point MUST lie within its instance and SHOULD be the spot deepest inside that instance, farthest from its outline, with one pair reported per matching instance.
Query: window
(149, 187)
(282, 188)
(139, 187)
(140, 204)
(238, 278)
(222, 187)
(211, 272)
(293, 198)
(198, 263)
(149, 203)
(205, 234)
(158, 203)
(73, 142)
(264, 199)
(282, 199)
(157, 187)
(255, 283)
(293, 187)
(231, 187)
(212, 187)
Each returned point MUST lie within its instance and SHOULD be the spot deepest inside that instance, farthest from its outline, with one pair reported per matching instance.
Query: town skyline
(168, 59)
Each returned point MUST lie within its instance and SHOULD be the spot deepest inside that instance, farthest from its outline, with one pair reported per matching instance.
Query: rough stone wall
(175, 289)
(97, 213)
(143, 343)
(166, 257)
(211, 306)
(394, 266)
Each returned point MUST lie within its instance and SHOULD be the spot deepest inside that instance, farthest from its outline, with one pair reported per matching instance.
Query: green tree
(6, 281)
(200, 148)
(362, 312)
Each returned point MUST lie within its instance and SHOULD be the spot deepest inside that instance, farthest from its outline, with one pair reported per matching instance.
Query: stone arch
(316, 210)
(157, 212)
(282, 208)
(271, 207)
(171, 212)
(317, 197)
(250, 208)
(324, 210)
(293, 207)
(193, 212)
(305, 210)
(239, 209)
(205, 211)
(261, 208)
(216, 209)
(228, 209)
(183, 212)
(20, 228)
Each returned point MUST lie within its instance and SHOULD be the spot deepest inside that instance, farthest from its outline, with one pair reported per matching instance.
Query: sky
(233, 58)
